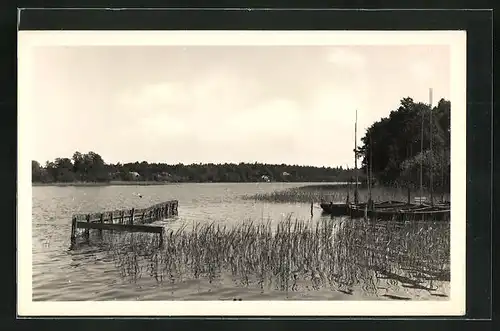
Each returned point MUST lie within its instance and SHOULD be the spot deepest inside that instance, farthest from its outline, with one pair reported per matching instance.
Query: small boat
(438, 212)
(346, 209)
(335, 208)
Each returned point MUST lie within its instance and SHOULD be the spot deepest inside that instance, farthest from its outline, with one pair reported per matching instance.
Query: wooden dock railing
(133, 220)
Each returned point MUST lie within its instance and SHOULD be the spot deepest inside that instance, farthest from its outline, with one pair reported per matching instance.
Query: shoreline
(111, 183)
(153, 183)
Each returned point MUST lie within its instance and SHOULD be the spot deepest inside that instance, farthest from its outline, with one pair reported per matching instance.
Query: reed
(335, 193)
(330, 254)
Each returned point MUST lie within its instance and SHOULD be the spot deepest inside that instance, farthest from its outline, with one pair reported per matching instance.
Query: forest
(392, 145)
(90, 167)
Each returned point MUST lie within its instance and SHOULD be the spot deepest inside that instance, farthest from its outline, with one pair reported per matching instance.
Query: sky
(192, 104)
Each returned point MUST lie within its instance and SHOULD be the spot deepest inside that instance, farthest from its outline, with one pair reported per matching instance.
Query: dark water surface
(93, 273)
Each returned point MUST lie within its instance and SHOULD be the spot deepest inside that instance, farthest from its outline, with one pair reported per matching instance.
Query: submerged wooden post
(312, 204)
(73, 232)
(161, 239)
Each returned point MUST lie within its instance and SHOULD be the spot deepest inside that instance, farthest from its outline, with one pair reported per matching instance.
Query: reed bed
(333, 254)
(336, 193)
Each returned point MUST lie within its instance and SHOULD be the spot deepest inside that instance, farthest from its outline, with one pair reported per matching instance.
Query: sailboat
(346, 208)
(395, 210)
(343, 208)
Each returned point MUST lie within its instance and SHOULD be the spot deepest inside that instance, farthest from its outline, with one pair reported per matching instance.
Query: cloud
(272, 117)
(164, 125)
(420, 71)
(347, 59)
(153, 95)
(334, 106)
(210, 93)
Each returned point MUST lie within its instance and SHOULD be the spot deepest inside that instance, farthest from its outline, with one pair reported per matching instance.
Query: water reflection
(390, 259)
(232, 259)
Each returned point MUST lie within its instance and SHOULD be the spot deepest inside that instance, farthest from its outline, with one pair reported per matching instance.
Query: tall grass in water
(320, 193)
(299, 255)
(335, 193)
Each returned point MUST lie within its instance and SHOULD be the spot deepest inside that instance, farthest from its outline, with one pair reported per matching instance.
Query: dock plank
(120, 227)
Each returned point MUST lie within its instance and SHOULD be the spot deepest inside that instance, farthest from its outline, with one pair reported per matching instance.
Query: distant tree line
(90, 167)
(393, 146)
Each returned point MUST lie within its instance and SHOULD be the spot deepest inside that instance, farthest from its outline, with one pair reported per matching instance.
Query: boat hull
(335, 209)
(404, 213)
(346, 209)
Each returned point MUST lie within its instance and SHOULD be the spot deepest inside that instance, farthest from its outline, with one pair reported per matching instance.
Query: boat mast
(442, 173)
(356, 158)
(370, 171)
(421, 155)
(348, 185)
(431, 156)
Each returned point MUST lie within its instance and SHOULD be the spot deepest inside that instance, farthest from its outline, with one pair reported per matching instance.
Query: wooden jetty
(129, 220)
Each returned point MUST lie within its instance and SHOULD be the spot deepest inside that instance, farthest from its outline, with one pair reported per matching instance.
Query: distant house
(265, 178)
(134, 175)
(163, 176)
(114, 175)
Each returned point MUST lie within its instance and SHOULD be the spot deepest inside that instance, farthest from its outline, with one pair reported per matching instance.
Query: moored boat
(335, 208)
(404, 212)
(350, 209)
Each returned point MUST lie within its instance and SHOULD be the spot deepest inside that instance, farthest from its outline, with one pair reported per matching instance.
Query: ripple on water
(91, 273)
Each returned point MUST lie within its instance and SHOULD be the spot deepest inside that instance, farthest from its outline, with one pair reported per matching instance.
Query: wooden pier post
(122, 216)
(87, 231)
(175, 206)
(111, 219)
(101, 220)
(132, 216)
(73, 232)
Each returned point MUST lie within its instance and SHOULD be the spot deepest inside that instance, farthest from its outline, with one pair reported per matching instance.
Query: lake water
(91, 273)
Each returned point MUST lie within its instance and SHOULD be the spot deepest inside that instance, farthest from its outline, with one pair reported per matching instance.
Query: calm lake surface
(91, 273)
